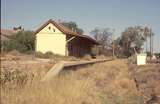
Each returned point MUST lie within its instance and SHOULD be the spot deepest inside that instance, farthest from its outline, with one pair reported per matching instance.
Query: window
(54, 30)
(49, 28)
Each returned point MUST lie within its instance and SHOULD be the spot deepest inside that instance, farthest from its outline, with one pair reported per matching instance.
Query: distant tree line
(130, 42)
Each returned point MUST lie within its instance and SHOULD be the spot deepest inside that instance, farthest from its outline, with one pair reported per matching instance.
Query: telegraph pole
(146, 45)
(113, 51)
(151, 43)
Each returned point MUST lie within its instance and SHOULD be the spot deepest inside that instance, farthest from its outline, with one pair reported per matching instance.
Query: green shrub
(48, 54)
(14, 52)
(157, 55)
(30, 52)
(22, 41)
(39, 54)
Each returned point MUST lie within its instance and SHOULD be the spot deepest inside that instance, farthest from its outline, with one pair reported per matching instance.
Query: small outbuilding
(141, 59)
(55, 37)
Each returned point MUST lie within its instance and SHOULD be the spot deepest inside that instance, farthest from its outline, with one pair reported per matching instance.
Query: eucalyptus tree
(133, 38)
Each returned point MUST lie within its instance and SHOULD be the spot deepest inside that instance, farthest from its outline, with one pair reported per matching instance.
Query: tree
(23, 41)
(132, 39)
(103, 36)
(117, 47)
(73, 26)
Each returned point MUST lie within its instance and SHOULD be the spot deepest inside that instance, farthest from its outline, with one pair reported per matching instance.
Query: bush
(22, 41)
(39, 54)
(48, 54)
(14, 52)
(132, 59)
(16, 77)
(157, 55)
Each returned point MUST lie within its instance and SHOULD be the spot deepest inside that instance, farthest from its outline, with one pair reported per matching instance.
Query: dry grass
(60, 91)
(103, 83)
(148, 80)
(114, 82)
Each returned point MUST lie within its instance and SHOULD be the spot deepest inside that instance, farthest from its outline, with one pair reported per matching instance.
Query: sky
(88, 14)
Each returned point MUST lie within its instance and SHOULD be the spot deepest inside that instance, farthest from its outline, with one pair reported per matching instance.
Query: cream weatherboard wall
(51, 39)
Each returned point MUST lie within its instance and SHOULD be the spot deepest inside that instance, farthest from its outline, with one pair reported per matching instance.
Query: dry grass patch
(62, 90)
(148, 81)
(114, 82)
(102, 83)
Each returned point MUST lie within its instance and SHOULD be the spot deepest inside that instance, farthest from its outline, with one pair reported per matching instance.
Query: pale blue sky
(88, 14)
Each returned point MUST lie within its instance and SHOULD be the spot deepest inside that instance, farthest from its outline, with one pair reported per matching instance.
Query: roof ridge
(64, 29)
